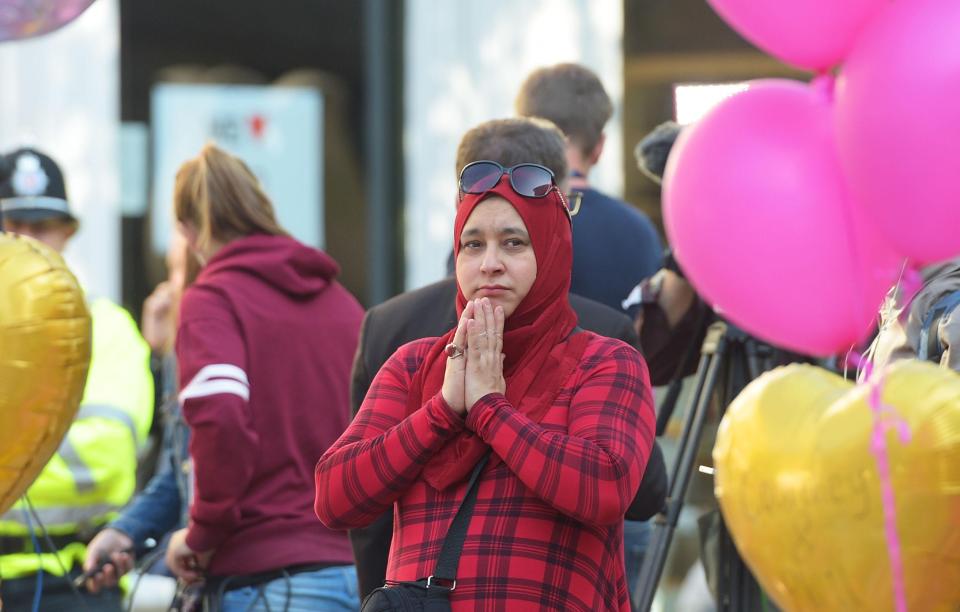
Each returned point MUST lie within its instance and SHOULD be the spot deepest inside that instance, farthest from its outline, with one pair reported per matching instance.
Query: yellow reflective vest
(93, 473)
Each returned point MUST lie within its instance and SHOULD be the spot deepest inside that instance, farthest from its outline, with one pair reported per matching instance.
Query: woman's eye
(472, 245)
(514, 243)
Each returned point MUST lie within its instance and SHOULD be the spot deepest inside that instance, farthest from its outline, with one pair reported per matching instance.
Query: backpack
(930, 348)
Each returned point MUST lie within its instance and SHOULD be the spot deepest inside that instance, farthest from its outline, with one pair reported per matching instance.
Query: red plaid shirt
(547, 530)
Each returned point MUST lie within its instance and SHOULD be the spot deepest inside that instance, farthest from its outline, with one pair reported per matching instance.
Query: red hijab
(540, 350)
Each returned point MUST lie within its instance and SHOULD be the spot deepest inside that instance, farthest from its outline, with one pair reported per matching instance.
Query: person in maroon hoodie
(265, 344)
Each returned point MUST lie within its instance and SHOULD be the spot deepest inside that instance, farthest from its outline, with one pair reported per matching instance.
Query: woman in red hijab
(567, 414)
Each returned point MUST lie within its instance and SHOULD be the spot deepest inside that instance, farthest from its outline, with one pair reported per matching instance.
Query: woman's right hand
(454, 376)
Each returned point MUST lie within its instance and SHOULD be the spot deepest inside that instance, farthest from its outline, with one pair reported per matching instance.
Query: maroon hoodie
(265, 345)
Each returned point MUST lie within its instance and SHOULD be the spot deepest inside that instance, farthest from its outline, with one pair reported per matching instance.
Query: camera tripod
(739, 358)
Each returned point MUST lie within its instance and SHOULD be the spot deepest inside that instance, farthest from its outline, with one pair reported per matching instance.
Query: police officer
(93, 473)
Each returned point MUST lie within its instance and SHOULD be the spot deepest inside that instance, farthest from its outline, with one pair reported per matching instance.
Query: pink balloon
(898, 126)
(28, 18)
(811, 34)
(756, 209)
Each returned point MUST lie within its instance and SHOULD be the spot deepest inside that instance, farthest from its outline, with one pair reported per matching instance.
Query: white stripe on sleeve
(217, 378)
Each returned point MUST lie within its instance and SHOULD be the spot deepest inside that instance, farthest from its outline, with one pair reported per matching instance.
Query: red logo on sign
(257, 126)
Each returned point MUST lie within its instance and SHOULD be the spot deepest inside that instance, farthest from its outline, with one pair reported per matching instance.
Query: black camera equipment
(729, 359)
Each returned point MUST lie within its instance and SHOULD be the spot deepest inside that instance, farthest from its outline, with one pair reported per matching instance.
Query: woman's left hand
(484, 373)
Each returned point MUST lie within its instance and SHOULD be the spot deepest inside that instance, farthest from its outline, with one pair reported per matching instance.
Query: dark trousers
(57, 596)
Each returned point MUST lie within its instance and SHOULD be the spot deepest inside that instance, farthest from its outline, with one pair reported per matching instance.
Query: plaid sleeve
(383, 451)
(592, 471)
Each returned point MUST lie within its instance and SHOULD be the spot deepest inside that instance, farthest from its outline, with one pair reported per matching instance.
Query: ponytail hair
(219, 195)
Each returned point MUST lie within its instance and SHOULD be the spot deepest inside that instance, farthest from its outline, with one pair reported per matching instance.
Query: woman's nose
(491, 261)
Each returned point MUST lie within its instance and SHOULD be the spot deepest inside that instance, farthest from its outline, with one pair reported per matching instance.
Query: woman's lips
(491, 291)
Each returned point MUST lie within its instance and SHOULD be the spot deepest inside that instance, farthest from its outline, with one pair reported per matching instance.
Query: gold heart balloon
(799, 487)
(44, 354)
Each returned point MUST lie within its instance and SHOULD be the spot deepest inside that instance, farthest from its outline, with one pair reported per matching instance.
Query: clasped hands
(475, 357)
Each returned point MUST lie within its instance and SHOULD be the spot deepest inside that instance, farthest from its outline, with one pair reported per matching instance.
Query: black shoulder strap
(446, 569)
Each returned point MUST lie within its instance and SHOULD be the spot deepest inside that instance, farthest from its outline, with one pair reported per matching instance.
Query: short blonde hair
(219, 195)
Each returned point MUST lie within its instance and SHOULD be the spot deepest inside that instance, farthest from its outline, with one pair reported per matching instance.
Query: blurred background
(349, 112)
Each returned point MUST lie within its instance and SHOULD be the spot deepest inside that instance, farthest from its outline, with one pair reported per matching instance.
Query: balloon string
(859, 362)
(886, 418)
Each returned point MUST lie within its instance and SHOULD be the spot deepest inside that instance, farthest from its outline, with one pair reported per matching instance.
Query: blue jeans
(636, 538)
(332, 588)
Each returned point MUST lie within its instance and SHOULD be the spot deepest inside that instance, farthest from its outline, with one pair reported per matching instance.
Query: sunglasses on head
(528, 180)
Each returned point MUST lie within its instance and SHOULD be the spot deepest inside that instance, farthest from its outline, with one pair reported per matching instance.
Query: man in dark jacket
(430, 311)
(615, 245)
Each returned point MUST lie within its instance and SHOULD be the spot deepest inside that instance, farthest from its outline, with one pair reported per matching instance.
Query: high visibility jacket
(93, 473)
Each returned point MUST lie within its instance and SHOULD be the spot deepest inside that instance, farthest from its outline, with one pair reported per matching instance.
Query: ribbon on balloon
(884, 419)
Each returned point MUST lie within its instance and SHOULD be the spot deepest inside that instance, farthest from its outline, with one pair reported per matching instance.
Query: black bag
(930, 348)
(431, 594)
(408, 596)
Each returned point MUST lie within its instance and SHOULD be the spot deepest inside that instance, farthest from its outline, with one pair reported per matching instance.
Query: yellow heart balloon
(44, 354)
(799, 487)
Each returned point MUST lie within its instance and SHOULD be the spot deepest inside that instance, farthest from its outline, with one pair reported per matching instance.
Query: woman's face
(496, 258)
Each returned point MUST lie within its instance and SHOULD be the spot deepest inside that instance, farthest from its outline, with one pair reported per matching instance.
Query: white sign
(277, 131)
(693, 101)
